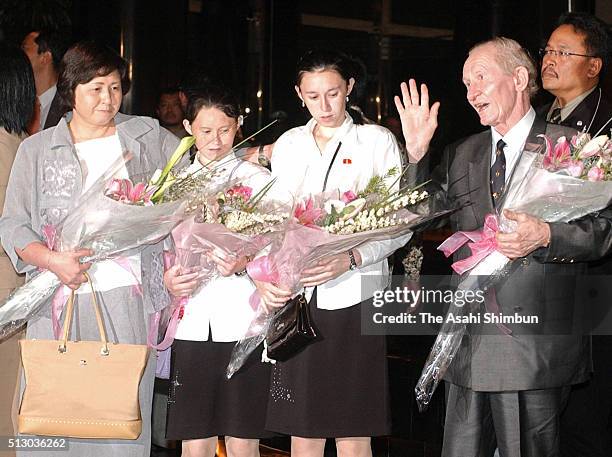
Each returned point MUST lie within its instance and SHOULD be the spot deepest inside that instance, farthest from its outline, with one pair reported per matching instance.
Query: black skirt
(337, 386)
(203, 403)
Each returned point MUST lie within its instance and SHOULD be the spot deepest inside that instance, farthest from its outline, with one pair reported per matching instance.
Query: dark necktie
(498, 172)
(555, 116)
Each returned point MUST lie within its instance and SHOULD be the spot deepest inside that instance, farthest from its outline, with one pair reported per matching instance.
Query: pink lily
(307, 214)
(557, 156)
(124, 191)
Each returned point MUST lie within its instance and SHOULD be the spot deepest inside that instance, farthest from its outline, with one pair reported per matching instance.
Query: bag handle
(68, 320)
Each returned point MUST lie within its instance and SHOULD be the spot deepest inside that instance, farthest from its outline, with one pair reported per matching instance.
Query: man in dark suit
(574, 78)
(508, 391)
(45, 50)
(574, 61)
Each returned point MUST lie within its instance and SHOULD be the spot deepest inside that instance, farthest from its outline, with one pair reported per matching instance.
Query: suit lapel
(479, 177)
(581, 116)
(56, 112)
(538, 128)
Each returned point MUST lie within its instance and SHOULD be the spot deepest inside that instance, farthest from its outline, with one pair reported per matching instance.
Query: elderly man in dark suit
(574, 61)
(508, 391)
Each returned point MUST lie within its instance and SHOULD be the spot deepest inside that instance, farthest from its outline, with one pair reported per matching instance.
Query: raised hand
(419, 121)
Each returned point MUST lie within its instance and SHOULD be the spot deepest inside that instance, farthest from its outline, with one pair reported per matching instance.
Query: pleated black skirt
(203, 403)
(337, 386)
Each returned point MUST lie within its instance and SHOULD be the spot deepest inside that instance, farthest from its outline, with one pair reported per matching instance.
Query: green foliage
(377, 185)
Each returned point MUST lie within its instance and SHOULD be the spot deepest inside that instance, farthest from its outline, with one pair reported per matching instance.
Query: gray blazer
(46, 181)
(543, 283)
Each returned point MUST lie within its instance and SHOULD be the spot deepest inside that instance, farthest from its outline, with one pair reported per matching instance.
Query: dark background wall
(253, 45)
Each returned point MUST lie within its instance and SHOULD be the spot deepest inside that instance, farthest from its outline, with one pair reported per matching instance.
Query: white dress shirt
(222, 305)
(515, 141)
(45, 99)
(365, 151)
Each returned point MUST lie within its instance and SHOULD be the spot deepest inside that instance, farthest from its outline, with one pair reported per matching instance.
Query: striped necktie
(498, 172)
(555, 116)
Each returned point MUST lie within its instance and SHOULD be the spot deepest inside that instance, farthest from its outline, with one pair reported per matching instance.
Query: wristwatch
(353, 265)
(249, 259)
(261, 157)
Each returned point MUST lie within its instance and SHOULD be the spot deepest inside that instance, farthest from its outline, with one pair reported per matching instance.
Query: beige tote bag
(81, 389)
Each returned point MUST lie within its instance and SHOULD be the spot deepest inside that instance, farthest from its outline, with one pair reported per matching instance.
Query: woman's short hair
(85, 61)
(17, 90)
(212, 96)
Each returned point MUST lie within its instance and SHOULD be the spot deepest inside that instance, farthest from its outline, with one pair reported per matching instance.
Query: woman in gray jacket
(51, 170)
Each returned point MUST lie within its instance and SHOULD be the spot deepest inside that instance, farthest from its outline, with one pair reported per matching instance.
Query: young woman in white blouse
(337, 386)
(203, 404)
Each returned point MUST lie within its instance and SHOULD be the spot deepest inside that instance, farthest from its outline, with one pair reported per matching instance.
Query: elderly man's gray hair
(510, 55)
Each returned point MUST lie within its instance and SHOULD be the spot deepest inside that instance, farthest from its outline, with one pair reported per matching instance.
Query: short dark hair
(17, 89)
(167, 91)
(327, 59)
(54, 41)
(596, 35)
(212, 96)
(85, 61)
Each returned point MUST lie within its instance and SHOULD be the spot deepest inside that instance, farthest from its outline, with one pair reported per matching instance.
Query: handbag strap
(330, 165)
(68, 320)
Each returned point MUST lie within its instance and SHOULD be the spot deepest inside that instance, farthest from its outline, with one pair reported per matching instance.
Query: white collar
(569, 107)
(340, 132)
(517, 135)
(47, 96)
(515, 141)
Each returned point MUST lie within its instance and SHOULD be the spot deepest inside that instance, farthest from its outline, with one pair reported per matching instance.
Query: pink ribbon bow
(261, 269)
(481, 243)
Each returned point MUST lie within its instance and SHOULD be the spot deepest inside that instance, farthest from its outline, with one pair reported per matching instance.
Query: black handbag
(290, 330)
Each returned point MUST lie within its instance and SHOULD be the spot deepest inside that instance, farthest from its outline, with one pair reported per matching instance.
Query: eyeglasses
(562, 54)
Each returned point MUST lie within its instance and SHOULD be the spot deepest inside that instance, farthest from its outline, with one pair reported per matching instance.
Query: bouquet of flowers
(109, 219)
(234, 221)
(331, 223)
(571, 179)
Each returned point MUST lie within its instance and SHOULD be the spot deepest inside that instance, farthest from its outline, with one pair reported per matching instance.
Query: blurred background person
(169, 111)
(574, 62)
(45, 49)
(17, 100)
